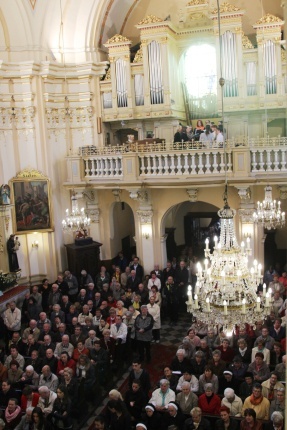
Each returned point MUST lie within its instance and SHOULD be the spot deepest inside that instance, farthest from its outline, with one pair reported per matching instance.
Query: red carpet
(12, 292)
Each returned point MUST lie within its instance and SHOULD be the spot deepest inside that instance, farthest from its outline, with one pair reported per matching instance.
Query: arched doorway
(122, 230)
(187, 225)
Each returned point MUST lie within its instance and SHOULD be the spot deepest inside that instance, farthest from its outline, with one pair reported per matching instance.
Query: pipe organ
(151, 87)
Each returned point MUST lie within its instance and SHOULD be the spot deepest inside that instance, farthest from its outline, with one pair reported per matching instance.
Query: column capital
(145, 216)
(246, 215)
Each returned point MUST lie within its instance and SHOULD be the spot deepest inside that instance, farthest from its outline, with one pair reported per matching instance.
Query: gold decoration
(196, 2)
(33, 3)
(246, 44)
(139, 55)
(150, 19)
(7, 221)
(283, 55)
(30, 173)
(108, 75)
(268, 19)
(118, 38)
(1, 244)
(226, 7)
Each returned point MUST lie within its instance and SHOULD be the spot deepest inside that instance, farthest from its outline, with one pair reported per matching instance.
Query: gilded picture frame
(31, 197)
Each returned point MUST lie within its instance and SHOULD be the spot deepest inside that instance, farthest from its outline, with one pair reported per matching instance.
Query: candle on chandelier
(205, 263)
(242, 246)
(189, 294)
(196, 301)
(206, 244)
(215, 242)
(267, 302)
(224, 307)
(207, 305)
(222, 274)
(244, 306)
(264, 290)
(258, 304)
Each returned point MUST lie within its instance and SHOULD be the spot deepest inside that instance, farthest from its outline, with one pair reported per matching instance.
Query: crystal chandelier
(77, 218)
(225, 292)
(268, 212)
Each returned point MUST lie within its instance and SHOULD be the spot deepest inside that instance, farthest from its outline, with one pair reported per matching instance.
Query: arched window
(200, 81)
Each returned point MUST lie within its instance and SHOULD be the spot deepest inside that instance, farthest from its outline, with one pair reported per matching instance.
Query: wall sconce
(247, 234)
(35, 244)
(146, 231)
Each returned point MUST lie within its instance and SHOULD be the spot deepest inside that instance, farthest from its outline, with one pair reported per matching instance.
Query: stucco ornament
(139, 56)
(192, 194)
(118, 38)
(268, 19)
(226, 7)
(145, 216)
(196, 2)
(150, 19)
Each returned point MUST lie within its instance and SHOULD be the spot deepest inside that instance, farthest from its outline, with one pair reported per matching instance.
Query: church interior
(80, 79)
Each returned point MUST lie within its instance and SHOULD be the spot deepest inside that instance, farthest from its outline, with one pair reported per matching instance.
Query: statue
(13, 245)
(5, 194)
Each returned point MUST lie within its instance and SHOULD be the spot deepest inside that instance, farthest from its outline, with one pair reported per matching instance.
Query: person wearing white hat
(174, 417)
(151, 418)
(233, 402)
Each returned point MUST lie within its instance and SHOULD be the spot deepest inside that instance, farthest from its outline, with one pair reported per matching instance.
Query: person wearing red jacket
(29, 398)
(209, 402)
(65, 361)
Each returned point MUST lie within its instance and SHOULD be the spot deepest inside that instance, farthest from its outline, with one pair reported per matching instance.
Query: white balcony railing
(179, 160)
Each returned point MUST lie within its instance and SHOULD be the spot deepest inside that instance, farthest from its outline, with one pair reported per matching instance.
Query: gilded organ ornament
(226, 7)
(269, 19)
(118, 38)
(139, 56)
(246, 44)
(150, 19)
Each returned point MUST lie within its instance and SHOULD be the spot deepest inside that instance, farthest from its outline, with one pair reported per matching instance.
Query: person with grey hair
(143, 327)
(26, 420)
(46, 400)
(29, 377)
(278, 404)
(186, 398)
(65, 345)
(162, 395)
(233, 402)
(209, 402)
(281, 369)
(277, 422)
(48, 379)
(180, 363)
(188, 377)
(196, 421)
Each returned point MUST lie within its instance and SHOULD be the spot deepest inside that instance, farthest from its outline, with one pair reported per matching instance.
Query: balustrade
(179, 160)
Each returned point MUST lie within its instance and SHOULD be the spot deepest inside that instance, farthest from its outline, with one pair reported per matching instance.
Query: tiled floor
(171, 335)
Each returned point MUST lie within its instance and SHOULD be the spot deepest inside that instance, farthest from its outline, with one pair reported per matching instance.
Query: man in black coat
(138, 268)
(196, 421)
(137, 373)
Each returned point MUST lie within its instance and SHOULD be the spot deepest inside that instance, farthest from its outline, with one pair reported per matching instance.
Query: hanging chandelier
(225, 292)
(77, 219)
(268, 212)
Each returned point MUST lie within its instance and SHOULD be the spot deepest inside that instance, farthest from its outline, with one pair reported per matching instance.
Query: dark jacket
(203, 425)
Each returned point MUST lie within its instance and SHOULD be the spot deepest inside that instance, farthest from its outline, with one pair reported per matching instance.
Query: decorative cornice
(226, 7)
(246, 44)
(196, 2)
(150, 19)
(145, 216)
(139, 55)
(269, 19)
(117, 38)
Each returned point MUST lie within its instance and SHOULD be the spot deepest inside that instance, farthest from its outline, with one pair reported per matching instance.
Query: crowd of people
(209, 135)
(70, 337)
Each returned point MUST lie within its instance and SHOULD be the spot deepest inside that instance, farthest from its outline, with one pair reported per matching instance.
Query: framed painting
(31, 196)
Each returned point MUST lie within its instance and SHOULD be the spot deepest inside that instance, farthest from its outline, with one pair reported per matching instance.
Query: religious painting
(31, 196)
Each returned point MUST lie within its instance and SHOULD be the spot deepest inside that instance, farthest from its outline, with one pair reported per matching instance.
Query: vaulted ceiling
(31, 29)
